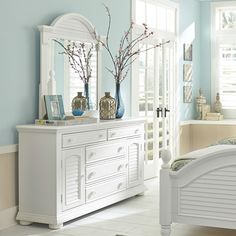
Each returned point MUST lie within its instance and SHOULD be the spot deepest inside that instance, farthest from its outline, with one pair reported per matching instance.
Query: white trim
(8, 149)
(208, 122)
(213, 56)
(8, 217)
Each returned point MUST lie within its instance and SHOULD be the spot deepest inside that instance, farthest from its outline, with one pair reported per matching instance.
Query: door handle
(159, 110)
(165, 111)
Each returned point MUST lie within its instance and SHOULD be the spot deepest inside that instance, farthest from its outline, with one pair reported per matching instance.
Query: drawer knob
(91, 155)
(100, 136)
(136, 131)
(119, 149)
(92, 194)
(92, 174)
(119, 185)
(69, 140)
(113, 134)
(119, 168)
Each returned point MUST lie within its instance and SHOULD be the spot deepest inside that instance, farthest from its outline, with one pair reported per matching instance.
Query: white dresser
(69, 171)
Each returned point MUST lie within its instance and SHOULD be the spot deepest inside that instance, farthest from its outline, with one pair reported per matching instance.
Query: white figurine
(218, 105)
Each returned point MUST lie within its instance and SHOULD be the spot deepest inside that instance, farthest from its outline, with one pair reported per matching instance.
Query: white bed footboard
(201, 193)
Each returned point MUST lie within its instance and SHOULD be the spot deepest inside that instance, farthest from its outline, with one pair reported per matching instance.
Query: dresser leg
(165, 230)
(52, 226)
(24, 222)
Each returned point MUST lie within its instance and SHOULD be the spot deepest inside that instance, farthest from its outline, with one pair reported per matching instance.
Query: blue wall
(189, 30)
(205, 78)
(20, 50)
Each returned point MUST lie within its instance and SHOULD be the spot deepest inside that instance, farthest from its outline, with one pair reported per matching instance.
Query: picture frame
(188, 52)
(188, 94)
(187, 72)
(54, 107)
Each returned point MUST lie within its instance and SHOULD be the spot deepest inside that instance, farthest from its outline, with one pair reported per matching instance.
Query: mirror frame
(72, 26)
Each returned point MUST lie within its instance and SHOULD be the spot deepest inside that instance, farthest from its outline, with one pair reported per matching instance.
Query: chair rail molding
(8, 149)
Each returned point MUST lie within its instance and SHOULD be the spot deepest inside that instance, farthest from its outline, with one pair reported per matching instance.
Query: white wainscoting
(8, 217)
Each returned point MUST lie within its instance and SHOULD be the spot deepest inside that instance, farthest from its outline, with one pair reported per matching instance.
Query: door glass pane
(140, 12)
(171, 20)
(161, 18)
(152, 15)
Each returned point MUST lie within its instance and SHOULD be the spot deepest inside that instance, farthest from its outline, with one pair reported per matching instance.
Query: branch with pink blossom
(79, 55)
(128, 51)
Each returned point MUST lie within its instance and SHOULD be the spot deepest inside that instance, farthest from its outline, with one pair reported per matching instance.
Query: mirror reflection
(74, 64)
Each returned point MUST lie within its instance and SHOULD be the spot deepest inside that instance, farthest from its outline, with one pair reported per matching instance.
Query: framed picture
(187, 72)
(187, 94)
(188, 52)
(54, 107)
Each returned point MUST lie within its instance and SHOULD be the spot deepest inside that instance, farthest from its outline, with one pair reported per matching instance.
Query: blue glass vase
(120, 108)
(86, 94)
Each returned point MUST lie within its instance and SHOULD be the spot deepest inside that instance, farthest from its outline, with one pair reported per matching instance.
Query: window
(224, 54)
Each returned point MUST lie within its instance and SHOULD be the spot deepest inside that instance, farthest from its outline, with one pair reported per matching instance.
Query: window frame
(218, 35)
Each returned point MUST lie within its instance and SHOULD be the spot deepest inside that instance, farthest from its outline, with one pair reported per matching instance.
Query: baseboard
(8, 149)
(8, 217)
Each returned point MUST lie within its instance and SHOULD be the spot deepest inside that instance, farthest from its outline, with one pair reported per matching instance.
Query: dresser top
(99, 124)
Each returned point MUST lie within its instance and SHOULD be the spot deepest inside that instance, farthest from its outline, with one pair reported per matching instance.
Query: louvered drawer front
(105, 189)
(106, 169)
(69, 140)
(95, 153)
(125, 132)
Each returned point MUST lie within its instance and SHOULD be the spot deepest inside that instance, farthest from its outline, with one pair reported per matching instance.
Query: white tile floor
(137, 216)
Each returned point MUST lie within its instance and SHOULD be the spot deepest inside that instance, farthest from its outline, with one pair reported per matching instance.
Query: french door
(154, 74)
(154, 80)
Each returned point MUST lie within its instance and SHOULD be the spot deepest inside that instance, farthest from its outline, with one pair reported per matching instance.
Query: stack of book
(213, 116)
(74, 121)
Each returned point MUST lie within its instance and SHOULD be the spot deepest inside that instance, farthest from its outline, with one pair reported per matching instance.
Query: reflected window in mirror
(67, 75)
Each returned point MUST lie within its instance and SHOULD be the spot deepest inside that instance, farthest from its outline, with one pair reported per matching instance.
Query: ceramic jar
(107, 107)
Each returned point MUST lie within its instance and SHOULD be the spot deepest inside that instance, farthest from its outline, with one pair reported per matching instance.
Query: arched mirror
(57, 74)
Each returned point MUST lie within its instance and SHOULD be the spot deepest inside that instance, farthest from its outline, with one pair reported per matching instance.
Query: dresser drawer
(124, 132)
(95, 153)
(105, 189)
(69, 140)
(105, 169)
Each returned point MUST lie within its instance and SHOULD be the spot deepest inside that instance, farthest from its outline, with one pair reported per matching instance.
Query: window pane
(228, 19)
(227, 75)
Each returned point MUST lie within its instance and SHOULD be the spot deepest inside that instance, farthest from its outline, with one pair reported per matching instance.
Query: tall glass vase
(87, 95)
(120, 108)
